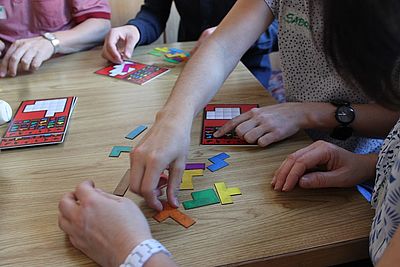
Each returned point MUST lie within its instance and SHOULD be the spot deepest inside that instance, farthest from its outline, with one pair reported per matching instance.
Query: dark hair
(362, 40)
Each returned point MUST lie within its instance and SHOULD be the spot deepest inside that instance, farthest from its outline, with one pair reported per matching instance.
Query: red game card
(39, 122)
(133, 72)
(215, 116)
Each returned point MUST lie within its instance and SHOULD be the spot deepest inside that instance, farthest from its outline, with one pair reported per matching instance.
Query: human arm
(341, 168)
(167, 142)
(203, 37)
(145, 28)
(391, 256)
(270, 124)
(105, 227)
(2, 47)
(30, 53)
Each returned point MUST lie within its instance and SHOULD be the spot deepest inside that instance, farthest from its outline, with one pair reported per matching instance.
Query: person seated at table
(107, 228)
(31, 32)
(198, 21)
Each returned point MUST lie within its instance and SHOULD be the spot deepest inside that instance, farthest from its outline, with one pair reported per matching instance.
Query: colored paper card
(201, 198)
(217, 115)
(195, 166)
(175, 214)
(225, 194)
(187, 178)
(39, 122)
(132, 135)
(117, 150)
(133, 72)
(123, 185)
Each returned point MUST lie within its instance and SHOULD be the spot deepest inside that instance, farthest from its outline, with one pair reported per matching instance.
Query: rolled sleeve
(274, 6)
(86, 9)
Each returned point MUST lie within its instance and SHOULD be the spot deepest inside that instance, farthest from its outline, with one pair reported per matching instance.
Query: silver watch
(53, 40)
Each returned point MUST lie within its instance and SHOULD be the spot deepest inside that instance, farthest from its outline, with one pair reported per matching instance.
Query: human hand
(103, 226)
(268, 124)
(28, 53)
(343, 168)
(120, 42)
(2, 47)
(204, 35)
(165, 145)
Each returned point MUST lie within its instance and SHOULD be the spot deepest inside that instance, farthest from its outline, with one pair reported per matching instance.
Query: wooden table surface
(301, 228)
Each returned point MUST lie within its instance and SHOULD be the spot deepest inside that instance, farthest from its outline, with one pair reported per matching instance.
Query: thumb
(318, 180)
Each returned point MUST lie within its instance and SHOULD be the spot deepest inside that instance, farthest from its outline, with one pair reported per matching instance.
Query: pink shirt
(30, 18)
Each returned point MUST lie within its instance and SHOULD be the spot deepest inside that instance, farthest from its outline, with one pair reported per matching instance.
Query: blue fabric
(197, 16)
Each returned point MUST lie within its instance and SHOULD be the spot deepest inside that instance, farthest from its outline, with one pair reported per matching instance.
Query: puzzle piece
(195, 166)
(123, 185)
(132, 135)
(162, 49)
(51, 106)
(117, 150)
(175, 214)
(218, 162)
(225, 194)
(201, 198)
(187, 178)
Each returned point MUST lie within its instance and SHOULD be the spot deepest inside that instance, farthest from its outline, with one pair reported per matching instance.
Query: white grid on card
(51, 106)
(223, 114)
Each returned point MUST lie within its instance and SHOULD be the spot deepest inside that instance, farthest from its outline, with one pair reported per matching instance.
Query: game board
(39, 122)
(133, 72)
(215, 116)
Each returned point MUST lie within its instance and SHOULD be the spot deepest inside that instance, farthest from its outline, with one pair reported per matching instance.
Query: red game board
(39, 122)
(215, 116)
(133, 72)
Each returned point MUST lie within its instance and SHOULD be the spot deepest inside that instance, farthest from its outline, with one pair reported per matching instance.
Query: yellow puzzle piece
(162, 49)
(225, 194)
(187, 179)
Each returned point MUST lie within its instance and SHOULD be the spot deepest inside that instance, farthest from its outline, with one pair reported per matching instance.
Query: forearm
(206, 71)
(151, 20)
(391, 256)
(88, 34)
(371, 120)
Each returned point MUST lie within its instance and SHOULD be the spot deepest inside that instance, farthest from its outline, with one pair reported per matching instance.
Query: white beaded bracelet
(142, 252)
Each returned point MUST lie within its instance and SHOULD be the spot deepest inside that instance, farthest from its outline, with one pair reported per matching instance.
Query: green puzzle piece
(201, 198)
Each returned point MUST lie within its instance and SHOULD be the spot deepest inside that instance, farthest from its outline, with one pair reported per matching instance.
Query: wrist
(370, 166)
(144, 252)
(319, 116)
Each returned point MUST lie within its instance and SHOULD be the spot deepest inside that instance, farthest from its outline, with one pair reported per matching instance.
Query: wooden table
(301, 228)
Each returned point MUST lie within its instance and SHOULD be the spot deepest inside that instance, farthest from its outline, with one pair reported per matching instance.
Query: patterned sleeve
(86, 9)
(274, 6)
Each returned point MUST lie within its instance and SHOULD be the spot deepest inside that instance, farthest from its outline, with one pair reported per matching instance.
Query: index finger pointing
(148, 188)
(232, 124)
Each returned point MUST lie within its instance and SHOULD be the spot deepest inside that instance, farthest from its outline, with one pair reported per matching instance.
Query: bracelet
(143, 252)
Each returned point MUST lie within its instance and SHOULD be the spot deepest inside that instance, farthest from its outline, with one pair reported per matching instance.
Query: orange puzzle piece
(175, 214)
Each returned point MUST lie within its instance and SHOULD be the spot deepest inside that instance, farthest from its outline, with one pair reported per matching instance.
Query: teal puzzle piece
(201, 198)
(117, 150)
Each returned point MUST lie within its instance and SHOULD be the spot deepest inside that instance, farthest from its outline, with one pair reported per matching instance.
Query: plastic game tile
(162, 49)
(155, 53)
(219, 157)
(187, 178)
(123, 185)
(217, 166)
(195, 166)
(117, 150)
(225, 194)
(175, 214)
(201, 198)
(171, 60)
(132, 135)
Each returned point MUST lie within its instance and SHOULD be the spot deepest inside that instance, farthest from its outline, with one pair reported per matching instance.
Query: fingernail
(284, 188)
(176, 202)
(273, 180)
(305, 180)
(216, 134)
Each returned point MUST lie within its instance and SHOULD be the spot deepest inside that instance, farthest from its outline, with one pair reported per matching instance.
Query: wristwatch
(53, 40)
(344, 115)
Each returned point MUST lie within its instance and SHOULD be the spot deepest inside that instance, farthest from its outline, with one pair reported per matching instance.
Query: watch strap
(53, 40)
(143, 252)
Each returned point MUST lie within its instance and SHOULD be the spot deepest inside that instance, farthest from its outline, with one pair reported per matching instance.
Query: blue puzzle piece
(217, 166)
(219, 157)
(117, 150)
(132, 135)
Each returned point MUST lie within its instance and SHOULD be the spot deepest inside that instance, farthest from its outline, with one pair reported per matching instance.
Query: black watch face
(345, 114)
